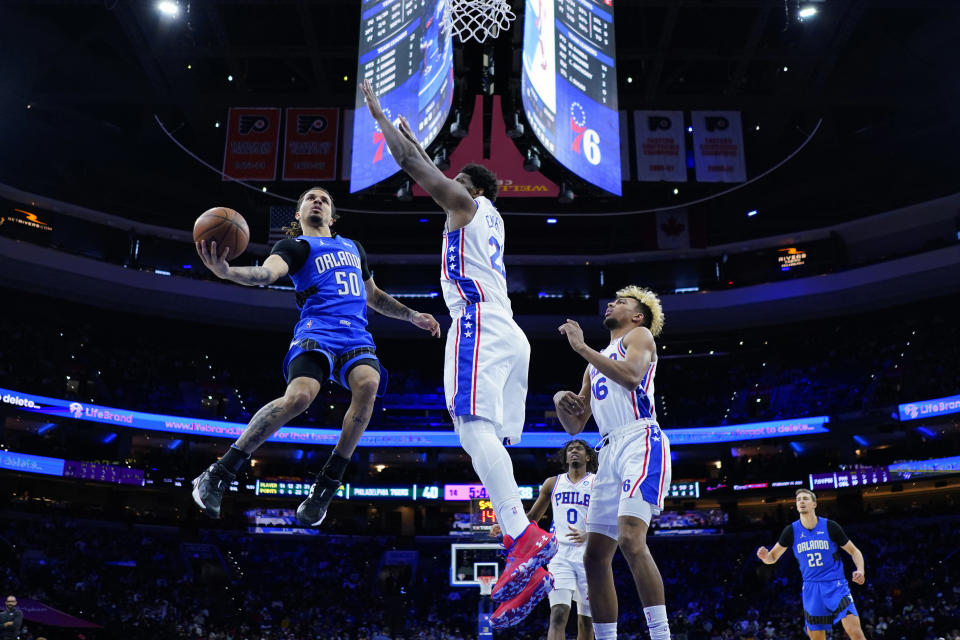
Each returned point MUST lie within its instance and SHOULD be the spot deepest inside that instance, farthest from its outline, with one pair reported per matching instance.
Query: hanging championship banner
(310, 144)
(718, 146)
(251, 149)
(661, 146)
(346, 153)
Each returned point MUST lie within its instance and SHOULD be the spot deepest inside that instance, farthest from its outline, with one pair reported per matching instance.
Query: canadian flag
(673, 229)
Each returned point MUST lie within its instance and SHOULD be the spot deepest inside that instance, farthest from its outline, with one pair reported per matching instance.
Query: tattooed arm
(382, 302)
(274, 267)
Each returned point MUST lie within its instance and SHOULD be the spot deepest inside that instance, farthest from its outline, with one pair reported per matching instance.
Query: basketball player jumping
(487, 355)
(568, 496)
(334, 288)
(634, 466)
(816, 543)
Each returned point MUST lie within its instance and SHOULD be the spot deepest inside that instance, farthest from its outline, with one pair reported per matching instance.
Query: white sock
(657, 622)
(495, 469)
(605, 630)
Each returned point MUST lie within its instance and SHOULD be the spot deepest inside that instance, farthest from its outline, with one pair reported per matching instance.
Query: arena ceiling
(82, 80)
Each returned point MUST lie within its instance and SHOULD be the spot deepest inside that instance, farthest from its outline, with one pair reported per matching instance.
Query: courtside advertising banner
(251, 149)
(127, 418)
(718, 146)
(929, 408)
(310, 144)
(661, 146)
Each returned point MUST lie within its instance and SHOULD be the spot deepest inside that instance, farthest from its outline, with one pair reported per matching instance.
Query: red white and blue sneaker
(519, 607)
(532, 549)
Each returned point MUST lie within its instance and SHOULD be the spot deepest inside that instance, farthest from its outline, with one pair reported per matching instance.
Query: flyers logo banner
(718, 146)
(311, 138)
(250, 152)
(661, 147)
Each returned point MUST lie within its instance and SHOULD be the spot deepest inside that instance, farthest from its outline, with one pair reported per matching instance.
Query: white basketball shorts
(633, 476)
(485, 368)
(569, 578)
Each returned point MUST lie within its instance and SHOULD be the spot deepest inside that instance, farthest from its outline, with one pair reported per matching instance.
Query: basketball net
(486, 584)
(477, 19)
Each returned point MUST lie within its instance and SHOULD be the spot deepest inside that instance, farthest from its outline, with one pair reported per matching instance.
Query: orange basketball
(226, 227)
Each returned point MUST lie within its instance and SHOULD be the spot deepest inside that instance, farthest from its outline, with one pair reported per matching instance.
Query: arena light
(551, 221)
(807, 12)
(751, 213)
(168, 8)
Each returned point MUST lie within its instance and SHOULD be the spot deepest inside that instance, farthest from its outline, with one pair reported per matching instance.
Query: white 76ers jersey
(614, 405)
(569, 503)
(472, 269)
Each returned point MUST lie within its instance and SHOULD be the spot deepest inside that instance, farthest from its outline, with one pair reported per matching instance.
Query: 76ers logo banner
(251, 149)
(310, 144)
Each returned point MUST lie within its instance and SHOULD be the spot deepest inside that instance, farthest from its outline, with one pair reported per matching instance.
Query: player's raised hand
(495, 531)
(212, 259)
(763, 553)
(571, 329)
(406, 130)
(427, 322)
(577, 536)
(373, 103)
(858, 577)
(569, 402)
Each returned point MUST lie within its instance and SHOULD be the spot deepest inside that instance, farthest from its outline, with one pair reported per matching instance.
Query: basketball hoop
(486, 584)
(477, 19)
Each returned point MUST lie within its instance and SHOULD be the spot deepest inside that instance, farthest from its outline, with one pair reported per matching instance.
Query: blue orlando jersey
(332, 281)
(817, 551)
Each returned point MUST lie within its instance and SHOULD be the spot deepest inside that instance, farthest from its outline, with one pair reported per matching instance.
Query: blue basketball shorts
(342, 347)
(826, 603)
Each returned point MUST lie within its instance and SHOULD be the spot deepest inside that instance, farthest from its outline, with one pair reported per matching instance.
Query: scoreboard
(407, 55)
(569, 86)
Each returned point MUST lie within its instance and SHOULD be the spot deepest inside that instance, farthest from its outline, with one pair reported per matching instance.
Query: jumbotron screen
(570, 86)
(407, 55)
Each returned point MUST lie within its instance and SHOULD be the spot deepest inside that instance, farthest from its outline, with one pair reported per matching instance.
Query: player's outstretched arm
(449, 194)
(382, 302)
(407, 132)
(859, 576)
(543, 500)
(273, 268)
(628, 371)
(772, 555)
(573, 410)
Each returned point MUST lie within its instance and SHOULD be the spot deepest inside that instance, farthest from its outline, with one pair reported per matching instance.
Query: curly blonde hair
(649, 305)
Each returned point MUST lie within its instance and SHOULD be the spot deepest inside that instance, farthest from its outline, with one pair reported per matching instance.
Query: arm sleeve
(293, 252)
(836, 533)
(364, 268)
(17, 622)
(786, 537)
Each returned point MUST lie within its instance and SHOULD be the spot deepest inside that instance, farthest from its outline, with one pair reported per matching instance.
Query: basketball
(224, 226)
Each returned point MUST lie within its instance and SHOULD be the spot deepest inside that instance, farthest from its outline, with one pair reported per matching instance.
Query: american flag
(280, 216)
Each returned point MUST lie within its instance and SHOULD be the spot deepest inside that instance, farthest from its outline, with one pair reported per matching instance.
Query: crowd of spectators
(160, 582)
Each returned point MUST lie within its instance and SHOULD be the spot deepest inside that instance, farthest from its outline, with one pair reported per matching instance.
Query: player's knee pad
(560, 596)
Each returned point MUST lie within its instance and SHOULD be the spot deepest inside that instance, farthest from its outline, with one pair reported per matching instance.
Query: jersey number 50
(348, 283)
